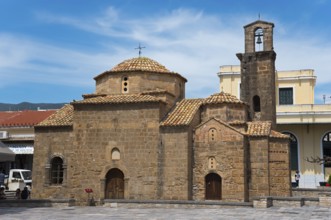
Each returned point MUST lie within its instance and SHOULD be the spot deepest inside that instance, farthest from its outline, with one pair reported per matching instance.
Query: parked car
(18, 179)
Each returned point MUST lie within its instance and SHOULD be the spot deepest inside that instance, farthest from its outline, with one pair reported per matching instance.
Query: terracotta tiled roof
(259, 128)
(183, 113)
(140, 64)
(23, 118)
(276, 134)
(132, 98)
(222, 98)
(62, 117)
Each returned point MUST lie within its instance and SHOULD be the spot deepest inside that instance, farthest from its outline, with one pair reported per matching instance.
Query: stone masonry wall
(177, 161)
(50, 142)
(228, 149)
(224, 112)
(258, 79)
(258, 166)
(279, 164)
(134, 130)
(141, 82)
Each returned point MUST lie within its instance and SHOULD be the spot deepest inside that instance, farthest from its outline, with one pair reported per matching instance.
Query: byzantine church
(137, 136)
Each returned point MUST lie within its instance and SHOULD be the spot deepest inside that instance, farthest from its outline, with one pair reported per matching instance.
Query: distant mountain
(29, 106)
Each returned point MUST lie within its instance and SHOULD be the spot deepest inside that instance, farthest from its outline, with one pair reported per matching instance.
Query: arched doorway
(114, 184)
(213, 184)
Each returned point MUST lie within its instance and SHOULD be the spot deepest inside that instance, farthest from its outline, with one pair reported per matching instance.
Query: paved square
(96, 213)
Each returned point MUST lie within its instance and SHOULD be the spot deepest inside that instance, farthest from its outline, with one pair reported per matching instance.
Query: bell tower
(258, 72)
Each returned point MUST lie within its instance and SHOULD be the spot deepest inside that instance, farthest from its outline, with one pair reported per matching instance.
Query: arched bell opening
(259, 41)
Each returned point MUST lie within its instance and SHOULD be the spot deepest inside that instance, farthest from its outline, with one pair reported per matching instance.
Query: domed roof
(140, 64)
(222, 97)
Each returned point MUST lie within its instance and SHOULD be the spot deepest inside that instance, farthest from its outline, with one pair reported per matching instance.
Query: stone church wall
(258, 166)
(224, 112)
(177, 161)
(175, 164)
(227, 147)
(131, 128)
(141, 82)
(49, 143)
(279, 168)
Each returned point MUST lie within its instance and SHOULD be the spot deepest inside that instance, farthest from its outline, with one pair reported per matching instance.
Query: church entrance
(114, 184)
(213, 183)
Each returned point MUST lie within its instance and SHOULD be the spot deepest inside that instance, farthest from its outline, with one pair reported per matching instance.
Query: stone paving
(96, 213)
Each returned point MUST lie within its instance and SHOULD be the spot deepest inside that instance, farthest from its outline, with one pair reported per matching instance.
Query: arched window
(125, 84)
(256, 103)
(56, 175)
(212, 163)
(326, 143)
(115, 154)
(259, 39)
(212, 134)
(293, 151)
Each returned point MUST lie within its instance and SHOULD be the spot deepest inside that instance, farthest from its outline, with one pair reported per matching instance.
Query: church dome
(140, 64)
(222, 97)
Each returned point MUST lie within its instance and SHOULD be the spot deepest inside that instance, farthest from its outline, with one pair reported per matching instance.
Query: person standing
(2, 193)
(25, 193)
(18, 193)
(297, 177)
(2, 178)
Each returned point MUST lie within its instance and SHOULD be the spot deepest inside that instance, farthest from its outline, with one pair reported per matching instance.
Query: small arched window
(125, 84)
(115, 154)
(56, 171)
(256, 104)
(212, 163)
(212, 134)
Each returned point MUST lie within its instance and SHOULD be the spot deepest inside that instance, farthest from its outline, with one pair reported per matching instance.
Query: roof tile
(62, 117)
(23, 118)
(276, 134)
(183, 112)
(259, 128)
(140, 63)
(132, 98)
(222, 98)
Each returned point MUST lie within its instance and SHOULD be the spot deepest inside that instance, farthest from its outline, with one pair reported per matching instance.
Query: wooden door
(213, 183)
(114, 184)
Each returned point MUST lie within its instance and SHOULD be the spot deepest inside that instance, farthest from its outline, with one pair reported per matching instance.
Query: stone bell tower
(258, 72)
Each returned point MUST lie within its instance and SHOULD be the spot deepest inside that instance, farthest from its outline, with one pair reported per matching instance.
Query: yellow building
(307, 123)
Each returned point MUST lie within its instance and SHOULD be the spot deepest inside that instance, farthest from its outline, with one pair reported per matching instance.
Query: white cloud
(185, 41)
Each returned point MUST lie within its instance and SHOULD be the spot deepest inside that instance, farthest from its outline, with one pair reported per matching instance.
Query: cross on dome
(139, 48)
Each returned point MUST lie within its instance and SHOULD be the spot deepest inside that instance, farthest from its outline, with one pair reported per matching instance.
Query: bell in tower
(258, 72)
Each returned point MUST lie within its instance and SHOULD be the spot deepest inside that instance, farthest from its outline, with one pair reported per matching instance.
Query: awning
(5, 153)
(21, 148)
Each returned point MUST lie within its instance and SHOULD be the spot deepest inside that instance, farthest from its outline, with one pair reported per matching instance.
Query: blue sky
(50, 50)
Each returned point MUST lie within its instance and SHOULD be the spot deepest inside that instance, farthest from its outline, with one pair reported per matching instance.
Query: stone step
(10, 194)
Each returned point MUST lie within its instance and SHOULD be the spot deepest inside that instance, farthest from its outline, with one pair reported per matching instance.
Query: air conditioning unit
(3, 134)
